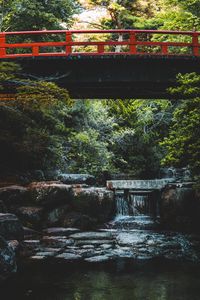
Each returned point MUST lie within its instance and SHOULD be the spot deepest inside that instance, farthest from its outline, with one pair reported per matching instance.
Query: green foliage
(19, 15)
(32, 125)
(183, 142)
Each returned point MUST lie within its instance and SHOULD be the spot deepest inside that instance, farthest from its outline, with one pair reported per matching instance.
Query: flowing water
(145, 263)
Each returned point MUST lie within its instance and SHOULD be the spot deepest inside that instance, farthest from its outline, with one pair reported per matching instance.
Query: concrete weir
(154, 184)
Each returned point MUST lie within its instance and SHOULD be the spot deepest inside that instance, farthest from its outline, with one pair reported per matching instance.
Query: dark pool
(121, 280)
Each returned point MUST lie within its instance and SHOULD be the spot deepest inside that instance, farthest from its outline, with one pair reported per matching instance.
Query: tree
(182, 145)
(19, 15)
(32, 125)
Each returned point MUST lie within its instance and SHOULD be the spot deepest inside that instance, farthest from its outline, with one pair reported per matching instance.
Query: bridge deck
(115, 64)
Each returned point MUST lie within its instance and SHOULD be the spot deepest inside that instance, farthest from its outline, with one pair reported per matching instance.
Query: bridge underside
(98, 77)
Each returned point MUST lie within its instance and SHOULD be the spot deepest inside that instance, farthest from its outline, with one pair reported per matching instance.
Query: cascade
(139, 205)
(132, 205)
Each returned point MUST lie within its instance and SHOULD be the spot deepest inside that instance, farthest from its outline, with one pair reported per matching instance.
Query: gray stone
(60, 231)
(92, 236)
(98, 259)
(7, 260)
(57, 241)
(66, 256)
(77, 179)
(10, 227)
(93, 242)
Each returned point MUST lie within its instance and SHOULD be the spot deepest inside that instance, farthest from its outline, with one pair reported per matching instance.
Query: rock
(3, 208)
(7, 260)
(78, 220)
(92, 236)
(93, 242)
(45, 254)
(179, 207)
(77, 179)
(98, 259)
(50, 194)
(106, 246)
(132, 239)
(56, 216)
(14, 244)
(10, 227)
(66, 256)
(61, 231)
(30, 215)
(30, 233)
(95, 202)
(13, 195)
(56, 241)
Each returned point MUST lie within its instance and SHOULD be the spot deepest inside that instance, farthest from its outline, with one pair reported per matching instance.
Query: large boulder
(56, 216)
(7, 259)
(95, 202)
(13, 195)
(80, 221)
(50, 194)
(31, 215)
(77, 179)
(179, 207)
(10, 227)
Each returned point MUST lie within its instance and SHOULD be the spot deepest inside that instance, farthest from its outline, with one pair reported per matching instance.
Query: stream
(131, 258)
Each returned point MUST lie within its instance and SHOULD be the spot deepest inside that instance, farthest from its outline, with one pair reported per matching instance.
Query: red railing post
(100, 48)
(68, 42)
(164, 49)
(35, 50)
(195, 44)
(2, 45)
(133, 43)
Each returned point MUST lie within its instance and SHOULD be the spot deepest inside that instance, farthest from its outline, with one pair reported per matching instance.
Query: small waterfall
(133, 205)
(121, 205)
(139, 205)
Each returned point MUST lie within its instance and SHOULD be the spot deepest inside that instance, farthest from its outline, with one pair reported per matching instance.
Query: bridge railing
(98, 42)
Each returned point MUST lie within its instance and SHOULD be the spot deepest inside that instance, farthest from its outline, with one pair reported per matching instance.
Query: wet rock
(98, 259)
(132, 238)
(179, 207)
(78, 220)
(66, 256)
(50, 194)
(30, 215)
(31, 233)
(93, 242)
(45, 254)
(13, 195)
(95, 202)
(7, 260)
(57, 241)
(3, 208)
(14, 244)
(106, 246)
(92, 236)
(10, 227)
(60, 231)
(55, 216)
(77, 179)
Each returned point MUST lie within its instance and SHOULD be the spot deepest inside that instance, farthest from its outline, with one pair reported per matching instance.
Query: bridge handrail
(132, 42)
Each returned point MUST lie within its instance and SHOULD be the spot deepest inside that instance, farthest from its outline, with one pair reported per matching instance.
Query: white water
(135, 205)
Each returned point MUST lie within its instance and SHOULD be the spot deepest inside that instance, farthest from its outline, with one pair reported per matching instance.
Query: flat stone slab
(92, 236)
(68, 256)
(98, 259)
(60, 231)
(93, 242)
(57, 242)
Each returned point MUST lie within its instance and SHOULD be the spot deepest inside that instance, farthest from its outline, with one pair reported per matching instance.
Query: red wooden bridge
(105, 63)
(104, 42)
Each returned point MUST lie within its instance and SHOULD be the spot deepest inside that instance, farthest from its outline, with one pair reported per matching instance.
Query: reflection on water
(144, 281)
